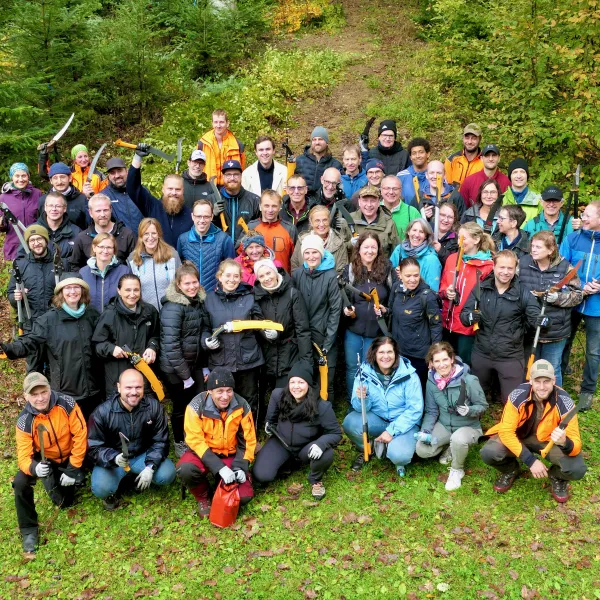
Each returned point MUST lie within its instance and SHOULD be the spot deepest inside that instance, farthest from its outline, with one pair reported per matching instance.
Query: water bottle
(426, 438)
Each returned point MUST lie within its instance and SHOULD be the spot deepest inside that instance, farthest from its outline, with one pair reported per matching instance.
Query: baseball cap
(472, 128)
(115, 163)
(369, 190)
(490, 148)
(34, 380)
(552, 192)
(541, 368)
(198, 155)
(230, 165)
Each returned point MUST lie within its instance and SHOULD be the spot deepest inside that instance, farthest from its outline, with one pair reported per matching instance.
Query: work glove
(218, 207)
(212, 343)
(354, 240)
(227, 475)
(425, 437)
(462, 410)
(142, 150)
(144, 479)
(543, 321)
(551, 297)
(240, 475)
(66, 481)
(363, 142)
(121, 461)
(340, 222)
(188, 383)
(314, 452)
(474, 317)
(270, 334)
(42, 469)
(268, 429)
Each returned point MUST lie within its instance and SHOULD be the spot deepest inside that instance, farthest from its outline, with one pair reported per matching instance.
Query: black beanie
(303, 370)
(220, 377)
(387, 126)
(518, 163)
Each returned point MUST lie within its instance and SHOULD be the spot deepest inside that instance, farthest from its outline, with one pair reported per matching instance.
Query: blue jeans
(592, 354)
(354, 344)
(552, 352)
(400, 450)
(105, 482)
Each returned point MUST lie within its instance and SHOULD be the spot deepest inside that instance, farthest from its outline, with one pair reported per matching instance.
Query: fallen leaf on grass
(310, 594)
(593, 499)
(265, 507)
(513, 574)
(487, 594)
(388, 559)
(229, 570)
(490, 560)
(211, 582)
(15, 578)
(283, 567)
(295, 489)
(528, 594)
(441, 551)
(535, 546)
(443, 587)
(349, 518)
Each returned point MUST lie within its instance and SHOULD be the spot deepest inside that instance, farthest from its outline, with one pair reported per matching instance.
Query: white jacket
(251, 180)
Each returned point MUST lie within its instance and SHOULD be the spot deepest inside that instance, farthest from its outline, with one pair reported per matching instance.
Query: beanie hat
(69, 279)
(264, 262)
(313, 242)
(220, 377)
(303, 370)
(321, 132)
(36, 229)
(518, 163)
(374, 163)
(75, 150)
(18, 166)
(59, 168)
(256, 238)
(387, 126)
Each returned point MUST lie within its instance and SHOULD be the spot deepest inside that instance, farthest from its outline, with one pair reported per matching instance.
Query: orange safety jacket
(280, 237)
(211, 433)
(80, 175)
(458, 168)
(519, 415)
(231, 149)
(66, 437)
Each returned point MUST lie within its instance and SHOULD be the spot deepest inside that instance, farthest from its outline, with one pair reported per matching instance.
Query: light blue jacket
(539, 223)
(408, 187)
(351, 185)
(431, 268)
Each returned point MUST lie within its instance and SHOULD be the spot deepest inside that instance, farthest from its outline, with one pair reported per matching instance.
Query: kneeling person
(304, 428)
(219, 432)
(51, 444)
(530, 420)
(142, 419)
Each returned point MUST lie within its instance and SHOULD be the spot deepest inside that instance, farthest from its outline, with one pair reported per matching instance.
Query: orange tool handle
(123, 144)
(223, 223)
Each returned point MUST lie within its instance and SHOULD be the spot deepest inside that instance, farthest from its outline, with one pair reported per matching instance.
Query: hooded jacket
(245, 205)
(415, 322)
(520, 245)
(394, 159)
(280, 237)
(24, 205)
(400, 404)
(230, 149)
(531, 204)
(428, 260)
(238, 351)
(123, 207)
(458, 167)
(335, 244)
(98, 181)
(383, 225)
(154, 277)
(103, 286)
(472, 215)
(440, 405)
(539, 223)
(64, 236)
(321, 293)
(449, 194)
(448, 246)
(181, 322)
(312, 170)
(406, 177)
(145, 426)
(118, 326)
(302, 223)
(196, 188)
(77, 207)
(286, 306)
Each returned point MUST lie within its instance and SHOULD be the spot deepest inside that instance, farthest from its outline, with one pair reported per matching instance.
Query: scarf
(442, 382)
(77, 314)
(520, 196)
(408, 250)
(481, 255)
(135, 311)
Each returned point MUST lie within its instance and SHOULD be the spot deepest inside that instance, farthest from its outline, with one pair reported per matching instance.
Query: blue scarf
(520, 196)
(74, 313)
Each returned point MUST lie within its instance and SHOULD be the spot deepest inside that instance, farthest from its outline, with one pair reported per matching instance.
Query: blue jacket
(584, 244)
(123, 208)
(431, 268)
(206, 252)
(172, 225)
(103, 287)
(351, 184)
(401, 404)
(408, 188)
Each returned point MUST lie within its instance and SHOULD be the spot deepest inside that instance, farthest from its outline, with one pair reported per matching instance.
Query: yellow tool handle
(127, 468)
(243, 225)
(476, 327)
(244, 325)
(223, 223)
(123, 144)
(323, 377)
(416, 187)
(548, 446)
(439, 188)
(367, 446)
(3, 356)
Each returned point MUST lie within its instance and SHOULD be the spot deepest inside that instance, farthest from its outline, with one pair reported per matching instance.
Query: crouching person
(51, 444)
(304, 429)
(530, 420)
(219, 432)
(454, 403)
(142, 451)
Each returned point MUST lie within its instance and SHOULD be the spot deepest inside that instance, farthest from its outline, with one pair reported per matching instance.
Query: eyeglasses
(329, 183)
(203, 217)
(446, 217)
(489, 193)
(390, 189)
(501, 219)
(55, 206)
(105, 248)
(387, 135)
(235, 175)
(296, 188)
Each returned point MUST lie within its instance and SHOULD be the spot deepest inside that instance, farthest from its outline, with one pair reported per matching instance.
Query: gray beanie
(321, 132)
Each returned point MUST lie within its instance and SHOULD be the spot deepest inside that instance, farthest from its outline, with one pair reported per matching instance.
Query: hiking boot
(111, 503)
(401, 470)
(504, 481)
(454, 479)
(30, 541)
(359, 462)
(180, 449)
(559, 489)
(204, 508)
(446, 456)
(585, 401)
(318, 491)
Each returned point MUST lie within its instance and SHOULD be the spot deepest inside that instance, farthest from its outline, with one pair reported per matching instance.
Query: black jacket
(196, 189)
(64, 236)
(520, 246)
(394, 159)
(245, 205)
(238, 351)
(181, 323)
(449, 245)
(302, 224)
(82, 249)
(74, 368)
(504, 319)
(145, 426)
(285, 306)
(298, 431)
(416, 319)
(311, 170)
(119, 327)
(77, 207)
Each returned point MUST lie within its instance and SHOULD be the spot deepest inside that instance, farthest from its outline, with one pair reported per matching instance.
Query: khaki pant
(459, 442)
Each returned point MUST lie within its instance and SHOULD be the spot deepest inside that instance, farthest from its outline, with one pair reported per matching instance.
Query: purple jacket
(24, 205)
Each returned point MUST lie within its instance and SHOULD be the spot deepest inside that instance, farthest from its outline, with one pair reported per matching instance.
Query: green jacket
(531, 204)
(402, 215)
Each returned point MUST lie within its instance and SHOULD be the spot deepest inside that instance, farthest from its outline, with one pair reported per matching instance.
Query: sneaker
(585, 401)
(318, 491)
(30, 542)
(204, 508)
(180, 449)
(446, 456)
(505, 481)
(359, 462)
(111, 503)
(454, 479)
(559, 489)
(401, 471)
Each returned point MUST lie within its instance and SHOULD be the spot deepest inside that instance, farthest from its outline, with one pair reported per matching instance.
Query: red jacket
(470, 186)
(467, 277)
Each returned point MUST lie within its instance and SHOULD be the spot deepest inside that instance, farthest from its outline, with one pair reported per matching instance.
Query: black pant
(331, 362)
(420, 366)
(180, 398)
(267, 383)
(273, 456)
(246, 386)
(511, 373)
(88, 405)
(24, 502)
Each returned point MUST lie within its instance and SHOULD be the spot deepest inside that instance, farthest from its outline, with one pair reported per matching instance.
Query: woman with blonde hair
(153, 261)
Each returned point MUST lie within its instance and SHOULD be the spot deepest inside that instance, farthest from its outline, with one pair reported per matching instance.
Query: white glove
(144, 479)
(240, 475)
(268, 429)
(354, 240)
(42, 469)
(212, 343)
(462, 410)
(314, 452)
(121, 461)
(205, 372)
(66, 481)
(227, 475)
(270, 334)
(188, 383)
(552, 297)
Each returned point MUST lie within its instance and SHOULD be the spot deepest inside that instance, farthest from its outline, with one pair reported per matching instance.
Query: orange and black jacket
(216, 156)
(98, 181)
(458, 168)
(66, 438)
(519, 416)
(211, 433)
(280, 236)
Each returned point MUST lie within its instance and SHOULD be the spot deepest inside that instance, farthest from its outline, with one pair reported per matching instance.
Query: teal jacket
(431, 267)
(539, 223)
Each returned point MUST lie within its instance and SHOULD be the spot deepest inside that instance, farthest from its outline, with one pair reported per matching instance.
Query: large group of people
(239, 289)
